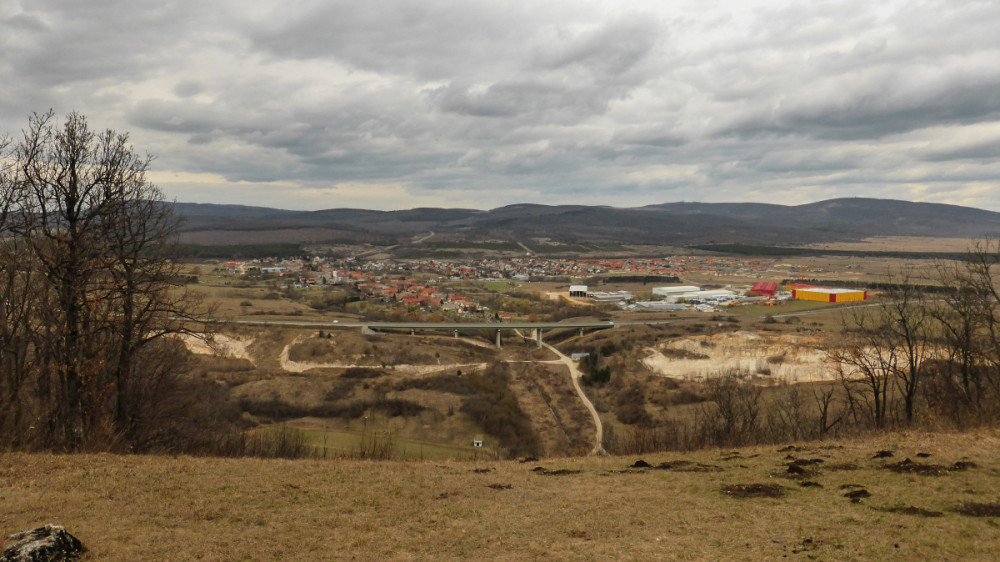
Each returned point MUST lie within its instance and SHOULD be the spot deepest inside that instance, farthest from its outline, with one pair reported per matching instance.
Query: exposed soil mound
(670, 465)
(910, 510)
(558, 472)
(979, 509)
(796, 470)
(753, 490)
(911, 467)
(857, 495)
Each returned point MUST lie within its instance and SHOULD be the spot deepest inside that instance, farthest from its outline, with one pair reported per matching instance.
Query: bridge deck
(486, 325)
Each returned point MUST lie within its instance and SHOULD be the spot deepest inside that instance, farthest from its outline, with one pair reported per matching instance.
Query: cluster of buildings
(411, 293)
(518, 268)
(373, 280)
(687, 297)
(528, 268)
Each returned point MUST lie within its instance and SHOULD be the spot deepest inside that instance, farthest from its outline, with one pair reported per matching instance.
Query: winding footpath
(575, 375)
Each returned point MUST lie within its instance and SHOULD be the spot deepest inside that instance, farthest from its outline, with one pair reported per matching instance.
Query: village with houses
(628, 284)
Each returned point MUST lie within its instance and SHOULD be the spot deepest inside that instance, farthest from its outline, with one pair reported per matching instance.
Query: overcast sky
(405, 103)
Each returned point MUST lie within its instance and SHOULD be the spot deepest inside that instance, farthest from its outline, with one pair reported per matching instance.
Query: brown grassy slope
(545, 394)
(146, 507)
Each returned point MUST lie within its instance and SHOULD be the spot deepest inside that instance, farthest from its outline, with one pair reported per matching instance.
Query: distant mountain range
(668, 224)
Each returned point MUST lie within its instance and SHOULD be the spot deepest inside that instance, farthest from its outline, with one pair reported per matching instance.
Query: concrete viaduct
(537, 327)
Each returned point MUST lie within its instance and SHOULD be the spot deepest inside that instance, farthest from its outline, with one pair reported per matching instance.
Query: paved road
(423, 238)
(514, 325)
(427, 325)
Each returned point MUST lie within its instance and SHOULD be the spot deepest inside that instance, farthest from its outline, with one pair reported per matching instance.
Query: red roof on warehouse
(764, 288)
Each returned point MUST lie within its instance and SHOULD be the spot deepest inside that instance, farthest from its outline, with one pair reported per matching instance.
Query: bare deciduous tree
(906, 324)
(866, 362)
(88, 282)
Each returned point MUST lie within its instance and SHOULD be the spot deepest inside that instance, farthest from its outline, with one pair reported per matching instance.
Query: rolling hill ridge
(669, 223)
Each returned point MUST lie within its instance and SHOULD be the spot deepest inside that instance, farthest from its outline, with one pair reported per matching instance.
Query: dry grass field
(935, 497)
(900, 244)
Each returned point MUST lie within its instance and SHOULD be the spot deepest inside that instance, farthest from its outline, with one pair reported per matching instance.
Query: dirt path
(424, 238)
(237, 348)
(575, 375)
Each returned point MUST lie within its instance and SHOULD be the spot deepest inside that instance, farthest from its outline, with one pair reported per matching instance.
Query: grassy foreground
(178, 508)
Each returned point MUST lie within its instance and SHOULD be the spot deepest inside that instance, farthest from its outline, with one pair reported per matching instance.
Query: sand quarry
(787, 358)
(781, 358)
(219, 345)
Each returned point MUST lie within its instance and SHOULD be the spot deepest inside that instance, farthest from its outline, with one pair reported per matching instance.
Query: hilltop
(899, 495)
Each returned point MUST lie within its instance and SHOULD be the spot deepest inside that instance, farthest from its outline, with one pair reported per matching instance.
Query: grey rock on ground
(51, 543)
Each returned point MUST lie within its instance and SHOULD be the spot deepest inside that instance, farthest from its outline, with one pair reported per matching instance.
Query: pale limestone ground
(802, 357)
(218, 344)
(556, 296)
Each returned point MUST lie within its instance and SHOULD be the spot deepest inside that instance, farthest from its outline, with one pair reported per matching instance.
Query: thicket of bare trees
(917, 358)
(87, 291)
(910, 359)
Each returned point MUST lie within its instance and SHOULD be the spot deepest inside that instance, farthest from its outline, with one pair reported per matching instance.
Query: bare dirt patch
(910, 510)
(979, 509)
(911, 467)
(541, 470)
(753, 490)
(857, 495)
(900, 244)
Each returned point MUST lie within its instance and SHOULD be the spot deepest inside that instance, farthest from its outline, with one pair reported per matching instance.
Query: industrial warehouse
(689, 297)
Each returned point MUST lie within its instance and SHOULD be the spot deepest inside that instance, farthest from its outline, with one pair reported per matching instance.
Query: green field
(790, 306)
(338, 443)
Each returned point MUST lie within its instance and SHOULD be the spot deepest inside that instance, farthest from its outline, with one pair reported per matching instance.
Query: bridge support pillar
(413, 332)
(581, 332)
(498, 339)
(538, 337)
(456, 334)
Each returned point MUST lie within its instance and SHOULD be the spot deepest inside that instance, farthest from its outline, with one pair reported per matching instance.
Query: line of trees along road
(87, 291)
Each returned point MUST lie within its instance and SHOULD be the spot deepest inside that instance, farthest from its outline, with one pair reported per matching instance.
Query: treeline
(275, 410)
(604, 279)
(873, 285)
(238, 251)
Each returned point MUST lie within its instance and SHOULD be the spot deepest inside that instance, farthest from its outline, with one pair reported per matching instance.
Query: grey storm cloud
(402, 103)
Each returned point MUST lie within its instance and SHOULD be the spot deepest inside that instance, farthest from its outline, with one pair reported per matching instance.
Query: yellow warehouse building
(822, 294)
